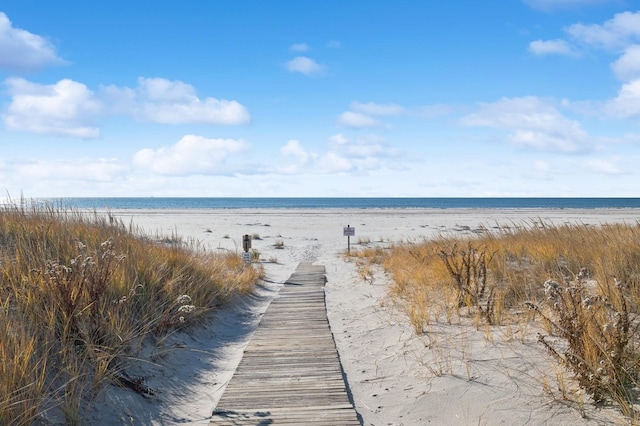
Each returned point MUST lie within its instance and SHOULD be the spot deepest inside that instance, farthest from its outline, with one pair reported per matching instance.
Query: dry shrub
(79, 292)
(597, 338)
(468, 270)
(596, 318)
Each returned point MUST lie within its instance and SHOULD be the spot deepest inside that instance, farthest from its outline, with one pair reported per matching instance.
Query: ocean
(337, 203)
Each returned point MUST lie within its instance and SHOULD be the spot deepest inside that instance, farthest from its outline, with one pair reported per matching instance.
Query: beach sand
(453, 375)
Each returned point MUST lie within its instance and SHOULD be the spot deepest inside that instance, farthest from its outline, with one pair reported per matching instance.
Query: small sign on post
(348, 232)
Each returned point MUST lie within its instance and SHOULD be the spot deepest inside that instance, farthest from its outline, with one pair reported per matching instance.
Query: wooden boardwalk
(290, 372)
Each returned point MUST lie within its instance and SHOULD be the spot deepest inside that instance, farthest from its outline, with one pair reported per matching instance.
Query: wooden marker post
(348, 232)
(246, 245)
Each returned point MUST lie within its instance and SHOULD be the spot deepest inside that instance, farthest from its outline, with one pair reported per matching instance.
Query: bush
(468, 270)
(598, 347)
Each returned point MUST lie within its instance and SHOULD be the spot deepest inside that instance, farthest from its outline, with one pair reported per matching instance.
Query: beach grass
(581, 282)
(80, 293)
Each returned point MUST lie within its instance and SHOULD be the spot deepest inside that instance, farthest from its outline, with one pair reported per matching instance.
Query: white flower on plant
(587, 302)
(183, 300)
(187, 309)
(551, 288)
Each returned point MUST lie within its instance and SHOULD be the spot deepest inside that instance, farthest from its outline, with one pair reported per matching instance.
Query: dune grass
(582, 282)
(80, 293)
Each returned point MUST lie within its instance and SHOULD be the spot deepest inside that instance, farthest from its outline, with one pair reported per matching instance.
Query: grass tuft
(79, 292)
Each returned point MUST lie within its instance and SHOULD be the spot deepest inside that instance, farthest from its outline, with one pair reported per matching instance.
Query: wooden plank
(290, 372)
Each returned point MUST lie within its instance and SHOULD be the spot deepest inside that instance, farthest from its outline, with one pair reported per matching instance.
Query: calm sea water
(351, 203)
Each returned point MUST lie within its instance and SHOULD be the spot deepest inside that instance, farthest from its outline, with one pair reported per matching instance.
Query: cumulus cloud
(65, 108)
(344, 155)
(306, 162)
(361, 114)
(304, 65)
(532, 123)
(21, 50)
(627, 67)
(357, 120)
(173, 102)
(192, 155)
(618, 32)
(551, 47)
(627, 103)
(295, 150)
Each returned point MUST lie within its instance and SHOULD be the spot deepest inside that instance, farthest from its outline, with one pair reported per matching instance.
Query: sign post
(348, 232)
(246, 245)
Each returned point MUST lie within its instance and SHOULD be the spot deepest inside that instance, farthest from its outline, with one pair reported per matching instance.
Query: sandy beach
(453, 375)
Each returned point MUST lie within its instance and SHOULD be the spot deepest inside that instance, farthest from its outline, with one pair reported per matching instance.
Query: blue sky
(320, 98)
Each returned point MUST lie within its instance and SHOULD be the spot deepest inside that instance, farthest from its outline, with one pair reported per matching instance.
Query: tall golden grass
(582, 281)
(78, 295)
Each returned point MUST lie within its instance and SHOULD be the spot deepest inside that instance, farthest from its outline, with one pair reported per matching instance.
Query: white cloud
(344, 155)
(339, 139)
(372, 108)
(21, 50)
(192, 155)
(299, 47)
(618, 32)
(361, 115)
(173, 102)
(551, 47)
(627, 67)
(304, 65)
(333, 162)
(533, 123)
(627, 103)
(65, 108)
(357, 120)
(334, 44)
(295, 150)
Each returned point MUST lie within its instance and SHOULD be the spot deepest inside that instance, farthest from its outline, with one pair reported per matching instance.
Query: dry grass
(590, 315)
(78, 295)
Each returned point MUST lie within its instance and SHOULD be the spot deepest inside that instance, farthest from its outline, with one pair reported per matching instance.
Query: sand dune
(453, 375)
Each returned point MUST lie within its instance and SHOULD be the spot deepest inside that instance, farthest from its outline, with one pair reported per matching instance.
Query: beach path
(290, 372)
